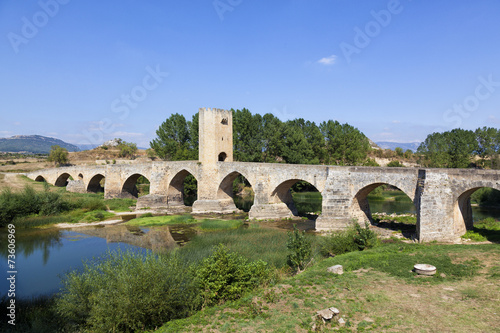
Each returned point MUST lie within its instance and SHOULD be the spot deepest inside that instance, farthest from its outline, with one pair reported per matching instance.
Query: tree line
(461, 148)
(258, 138)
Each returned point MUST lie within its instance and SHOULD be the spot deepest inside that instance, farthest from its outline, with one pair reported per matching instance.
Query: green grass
(217, 225)
(252, 243)
(162, 220)
(290, 305)
(485, 230)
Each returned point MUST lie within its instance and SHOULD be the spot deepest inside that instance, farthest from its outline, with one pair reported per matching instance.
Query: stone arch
(129, 188)
(40, 178)
(94, 185)
(175, 193)
(360, 208)
(225, 192)
(62, 180)
(462, 208)
(282, 194)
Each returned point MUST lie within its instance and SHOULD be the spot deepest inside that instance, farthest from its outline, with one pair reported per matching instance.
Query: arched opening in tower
(235, 187)
(222, 157)
(387, 207)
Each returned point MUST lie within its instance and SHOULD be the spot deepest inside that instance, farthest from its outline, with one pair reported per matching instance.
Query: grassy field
(377, 293)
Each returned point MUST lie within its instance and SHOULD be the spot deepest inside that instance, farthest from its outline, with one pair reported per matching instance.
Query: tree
(58, 155)
(399, 151)
(247, 136)
(175, 141)
(127, 149)
(345, 144)
(272, 137)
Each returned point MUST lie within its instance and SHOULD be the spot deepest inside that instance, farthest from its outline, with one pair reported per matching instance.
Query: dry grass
(368, 300)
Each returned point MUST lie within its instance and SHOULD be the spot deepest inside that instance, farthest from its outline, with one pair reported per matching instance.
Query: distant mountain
(405, 145)
(35, 144)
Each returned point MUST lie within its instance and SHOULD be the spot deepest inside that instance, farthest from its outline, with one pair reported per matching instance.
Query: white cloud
(327, 61)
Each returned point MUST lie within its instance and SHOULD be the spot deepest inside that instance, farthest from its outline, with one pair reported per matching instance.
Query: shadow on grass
(491, 235)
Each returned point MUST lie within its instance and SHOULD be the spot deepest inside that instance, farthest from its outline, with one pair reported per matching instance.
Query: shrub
(227, 275)
(29, 202)
(300, 250)
(125, 291)
(354, 238)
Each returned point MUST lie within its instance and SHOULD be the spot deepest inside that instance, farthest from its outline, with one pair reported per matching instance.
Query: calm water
(44, 255)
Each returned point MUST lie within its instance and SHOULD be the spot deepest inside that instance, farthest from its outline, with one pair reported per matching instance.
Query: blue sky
(88, 71)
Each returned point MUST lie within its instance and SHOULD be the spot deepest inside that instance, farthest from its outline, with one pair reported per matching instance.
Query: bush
(125, 291)
(300, 247)
(29, 202)
(227, 275)
(354, 238)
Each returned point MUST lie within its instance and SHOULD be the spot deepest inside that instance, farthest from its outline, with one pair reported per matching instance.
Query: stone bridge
(441, 196)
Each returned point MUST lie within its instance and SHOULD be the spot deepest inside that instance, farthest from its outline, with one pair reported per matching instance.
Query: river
(44, 255)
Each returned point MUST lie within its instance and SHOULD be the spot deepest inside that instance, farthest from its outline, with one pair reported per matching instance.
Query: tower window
(224, 121)
(222, 157)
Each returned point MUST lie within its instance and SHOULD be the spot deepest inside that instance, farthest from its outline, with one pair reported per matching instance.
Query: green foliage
(473, 236)
(456, 148)
(124, 292)
(177, 139)
(345, 144)
(486, 197)
(120, 204)
(371, 162)
(300, 250)
(399, 151)
(355, 238)
(29, 202)
(395, 164)
(58, 155)
(127, 149)
(147, 221)
(227, 275)
(215, 225)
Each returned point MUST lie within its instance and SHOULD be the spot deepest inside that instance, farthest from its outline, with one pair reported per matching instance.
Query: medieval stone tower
(215, 135)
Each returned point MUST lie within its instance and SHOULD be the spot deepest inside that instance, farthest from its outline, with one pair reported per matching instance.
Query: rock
(424, 269)
(442, 275)
(341, 321)
(325, 314)
(334, 310)
(337, 269)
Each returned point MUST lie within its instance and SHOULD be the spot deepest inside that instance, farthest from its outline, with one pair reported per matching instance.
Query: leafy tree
(127, 149)
(58, 155)
(272, 137)
(345, 144)
(174, 139)
(296, 148)
(399, 151)
(247, 136)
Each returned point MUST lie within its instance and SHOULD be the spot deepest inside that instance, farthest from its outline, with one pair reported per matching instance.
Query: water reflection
(43, 255)
(29, 241)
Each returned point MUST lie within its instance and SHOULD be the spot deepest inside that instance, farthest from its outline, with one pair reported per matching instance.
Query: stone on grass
(337, 269)
(424, 269)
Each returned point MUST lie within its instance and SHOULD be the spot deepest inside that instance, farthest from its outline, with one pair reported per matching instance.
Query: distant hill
(405, 145)
(35, 144)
